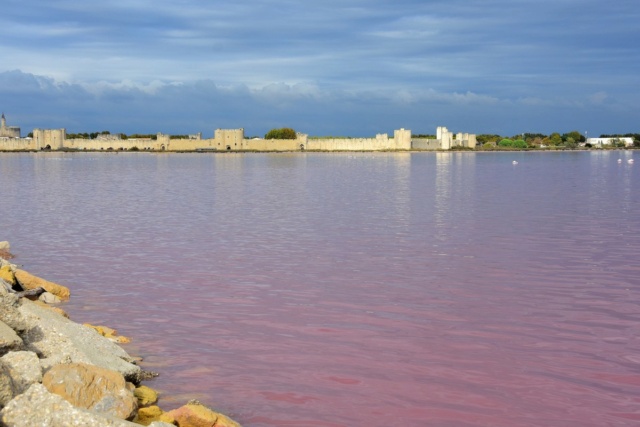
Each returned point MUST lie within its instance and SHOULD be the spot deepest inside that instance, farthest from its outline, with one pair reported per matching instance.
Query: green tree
(575, 135)
(555, 139)
(282, 133)
(484, 138)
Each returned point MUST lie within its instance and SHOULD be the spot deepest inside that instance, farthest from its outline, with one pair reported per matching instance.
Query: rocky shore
(55, 372)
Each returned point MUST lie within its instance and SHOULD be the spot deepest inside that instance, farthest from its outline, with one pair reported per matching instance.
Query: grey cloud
(203, 105)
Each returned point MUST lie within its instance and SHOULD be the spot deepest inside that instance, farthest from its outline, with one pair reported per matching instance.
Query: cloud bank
(333, 67)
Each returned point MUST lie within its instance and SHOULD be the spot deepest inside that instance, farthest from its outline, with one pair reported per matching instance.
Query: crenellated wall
(234, 140)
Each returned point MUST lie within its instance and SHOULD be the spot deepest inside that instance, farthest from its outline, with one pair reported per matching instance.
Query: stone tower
(8, 131)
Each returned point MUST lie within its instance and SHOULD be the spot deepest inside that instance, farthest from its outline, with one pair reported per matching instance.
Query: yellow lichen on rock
(145, 395)
(195, 414)
(29, 281)
(7, 275)
(109, 333)
(148, 415)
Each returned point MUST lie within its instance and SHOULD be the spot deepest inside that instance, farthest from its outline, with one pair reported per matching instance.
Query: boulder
(10, 313)
(24, 368)
(38, 407)
(9, 340)
(54, 337)
(50, 307)
(29, 281)
(145, 395)
(91, 387)
(6, 274)
(8, 389)
(109, 333)
(148, 415)
(195, 414)
(49, 298)
(4, 251)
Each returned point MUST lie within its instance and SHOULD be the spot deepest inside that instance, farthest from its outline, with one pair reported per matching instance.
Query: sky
(325, 68)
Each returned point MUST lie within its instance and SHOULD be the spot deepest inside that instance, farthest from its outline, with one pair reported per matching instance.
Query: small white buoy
(619, 160)
(514, 162)
(630, 161)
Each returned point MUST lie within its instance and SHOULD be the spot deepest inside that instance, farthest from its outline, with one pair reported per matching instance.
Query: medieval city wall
(400, 141)
(234, 140)
(16, 144)
(425, 144)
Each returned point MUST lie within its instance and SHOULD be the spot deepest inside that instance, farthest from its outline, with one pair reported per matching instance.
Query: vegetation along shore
(55, 372)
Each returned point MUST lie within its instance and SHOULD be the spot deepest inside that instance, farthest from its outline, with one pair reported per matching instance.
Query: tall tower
(3, 123)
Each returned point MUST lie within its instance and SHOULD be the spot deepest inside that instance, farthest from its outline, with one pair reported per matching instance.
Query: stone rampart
(425, 144)
(16, 144)
(234, 140)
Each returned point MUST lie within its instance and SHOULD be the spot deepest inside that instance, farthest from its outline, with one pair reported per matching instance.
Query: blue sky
(350, 67)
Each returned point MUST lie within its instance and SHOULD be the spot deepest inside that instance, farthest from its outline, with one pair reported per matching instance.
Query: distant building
(8, 131)
(599, 142)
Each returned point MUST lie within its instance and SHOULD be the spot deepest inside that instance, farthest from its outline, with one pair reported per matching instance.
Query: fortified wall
(445, 140)
(231, 140)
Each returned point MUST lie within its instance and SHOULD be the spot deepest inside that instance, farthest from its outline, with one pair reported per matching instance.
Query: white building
(599, 142)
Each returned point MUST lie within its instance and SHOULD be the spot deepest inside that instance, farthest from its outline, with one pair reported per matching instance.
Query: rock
(90, 387)
(29, 281)
(49, 298)
(4, 251)
(9, 340)
(145, 395)
(6, 273)
(109, 333)
(148, 415)
(8, 389)
(53, 336)
(58, 310)
(195, 414)
(10, 313)
(24, 368)
(38, 407)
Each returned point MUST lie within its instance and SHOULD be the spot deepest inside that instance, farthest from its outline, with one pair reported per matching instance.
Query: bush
(506, 143)
(283, 133)
(518, 143)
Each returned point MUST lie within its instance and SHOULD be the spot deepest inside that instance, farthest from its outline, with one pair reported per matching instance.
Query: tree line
(532, 140)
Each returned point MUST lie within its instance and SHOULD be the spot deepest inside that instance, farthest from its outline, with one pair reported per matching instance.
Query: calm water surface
(424, 289)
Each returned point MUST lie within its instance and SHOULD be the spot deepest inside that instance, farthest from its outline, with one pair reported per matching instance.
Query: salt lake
(352, 289)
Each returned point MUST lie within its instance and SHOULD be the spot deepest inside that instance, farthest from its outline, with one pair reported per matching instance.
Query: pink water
(352, 289)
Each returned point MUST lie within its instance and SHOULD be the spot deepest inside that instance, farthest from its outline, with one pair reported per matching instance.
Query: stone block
(145, 395)
(38, 407)
(6, 273)
(29, 281)
(8, 389)
(24, 368)
(90, 387)
(195, 414)
(55, 337)
(9, 340)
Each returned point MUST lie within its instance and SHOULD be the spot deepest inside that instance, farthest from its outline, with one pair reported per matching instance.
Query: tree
(574, 135)
(555, 139)
(282, 133)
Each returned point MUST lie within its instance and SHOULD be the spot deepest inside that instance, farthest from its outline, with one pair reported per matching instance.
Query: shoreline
(337, 151)
(56, 372)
